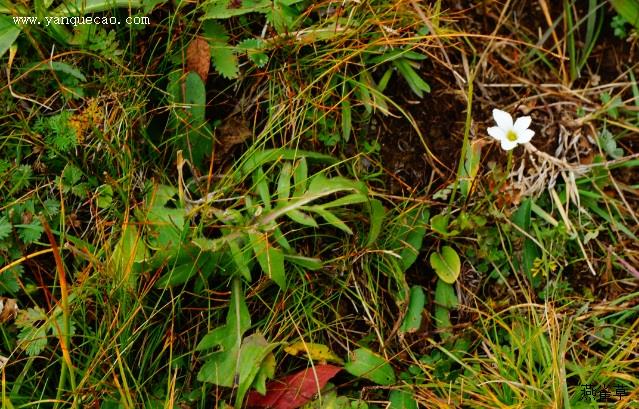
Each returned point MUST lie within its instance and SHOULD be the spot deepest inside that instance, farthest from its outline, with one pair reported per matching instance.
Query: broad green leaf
(218, 9)
(366, 364)
(8, 34)
(238, 320)
(129, 250)
(412, 230)
(282, 17)
(445, 300)
(267, 371)
(446, 264)
(195, 97)
(271, 259)
(253, 352)
(445, 295)
(401, 400)
(628, 9)
(413, 318)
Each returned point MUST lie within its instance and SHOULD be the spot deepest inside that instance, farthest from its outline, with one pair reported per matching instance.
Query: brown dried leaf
(198, 57)
(8, 309)
(232, 132)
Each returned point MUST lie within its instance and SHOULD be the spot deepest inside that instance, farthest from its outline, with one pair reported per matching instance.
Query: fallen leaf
(316, 352)
(8, 309)
(233, 131)
(293, 391)
(198, 57)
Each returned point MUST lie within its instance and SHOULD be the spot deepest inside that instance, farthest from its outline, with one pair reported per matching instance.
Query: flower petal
(522, 123)
(525, 136)
(503, 119)
(507, 145)
(497, 133)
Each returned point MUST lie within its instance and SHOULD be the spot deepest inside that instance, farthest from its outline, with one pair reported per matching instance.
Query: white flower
(508, 133)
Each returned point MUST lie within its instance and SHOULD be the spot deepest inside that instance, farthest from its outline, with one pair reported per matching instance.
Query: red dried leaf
(293, 391)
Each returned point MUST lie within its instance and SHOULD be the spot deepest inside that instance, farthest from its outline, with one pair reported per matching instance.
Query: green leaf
(254, 50)
(413, 318)
(445, 295)
(412, 229)
(31, 232)
(240, 259)
(376, 213)
(521, 218)
(446, 264)
(366, 364)
(8, 34)
(284, 182)
(628, 9)
(253, 353)
(61, 67)
(104, 196)
(401, 400)
(445, 300)
(331, 218)
(308, 263)
(301, 218)
(267, 371)
(415, 82)
(225, 61)
(346, 119)
(5, 228)
(271, 259)
(220, 367)
(195, 98)
(219, 9)
(282, 17)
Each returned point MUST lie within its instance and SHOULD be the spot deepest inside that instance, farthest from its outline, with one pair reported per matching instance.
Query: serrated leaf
(5, 228)
(30, 233)
(225, 61)
(33, 340)
(368, 365)
(446, 264)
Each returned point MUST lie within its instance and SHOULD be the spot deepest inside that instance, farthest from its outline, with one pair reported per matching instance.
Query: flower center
(511, 135)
